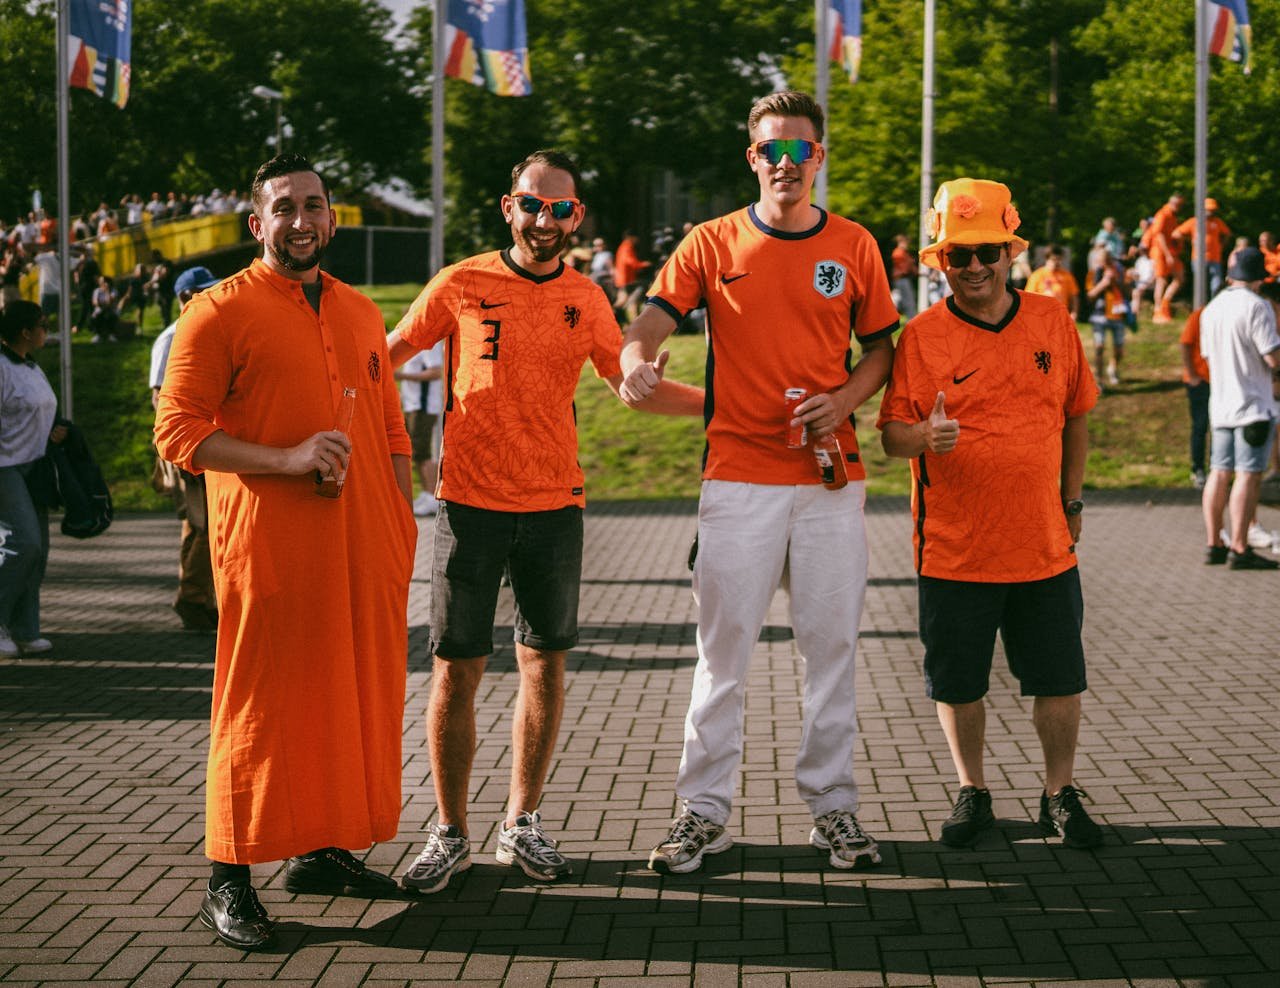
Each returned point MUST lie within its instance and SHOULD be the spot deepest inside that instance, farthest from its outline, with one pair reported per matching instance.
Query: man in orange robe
(309, 676)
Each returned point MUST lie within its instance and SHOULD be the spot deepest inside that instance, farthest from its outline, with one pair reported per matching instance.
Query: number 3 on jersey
(492, 339)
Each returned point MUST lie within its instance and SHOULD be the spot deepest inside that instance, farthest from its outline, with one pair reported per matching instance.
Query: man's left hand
(1074, 524)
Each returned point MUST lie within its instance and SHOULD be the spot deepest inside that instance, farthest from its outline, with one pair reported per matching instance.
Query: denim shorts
(1039, 623)
(542, 551)
(1231, 450)
(1102, 326)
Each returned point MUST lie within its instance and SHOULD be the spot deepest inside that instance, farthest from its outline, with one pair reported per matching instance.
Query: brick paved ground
(101, 770)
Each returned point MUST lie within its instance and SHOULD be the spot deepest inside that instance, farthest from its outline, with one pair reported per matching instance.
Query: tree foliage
(191, 121)
(637, 91)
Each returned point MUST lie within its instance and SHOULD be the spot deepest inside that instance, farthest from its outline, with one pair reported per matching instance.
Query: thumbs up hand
(644, 379)
(939, 432)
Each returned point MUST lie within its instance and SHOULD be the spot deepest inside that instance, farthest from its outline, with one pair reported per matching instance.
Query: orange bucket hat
(970, 211)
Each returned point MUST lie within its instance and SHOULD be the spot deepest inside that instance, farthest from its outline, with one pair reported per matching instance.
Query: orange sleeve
(196, 382)
(434, 313)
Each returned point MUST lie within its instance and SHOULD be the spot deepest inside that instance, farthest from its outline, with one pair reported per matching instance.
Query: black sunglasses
(959, 257)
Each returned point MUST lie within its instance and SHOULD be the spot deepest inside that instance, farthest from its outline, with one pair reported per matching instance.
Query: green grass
(1138, 432)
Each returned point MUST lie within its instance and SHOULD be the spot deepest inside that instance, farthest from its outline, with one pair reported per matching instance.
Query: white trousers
(751, 538)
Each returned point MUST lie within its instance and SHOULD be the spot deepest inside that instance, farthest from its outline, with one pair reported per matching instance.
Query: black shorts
(1039, 623)
(473, 546)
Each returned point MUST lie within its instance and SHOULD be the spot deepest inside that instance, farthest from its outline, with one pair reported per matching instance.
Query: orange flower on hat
(1011, 218)
(933, 223)
(966, 207)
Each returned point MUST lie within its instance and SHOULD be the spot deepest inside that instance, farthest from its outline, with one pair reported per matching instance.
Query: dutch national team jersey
(515, 344)
(990, 511)
(781, 311)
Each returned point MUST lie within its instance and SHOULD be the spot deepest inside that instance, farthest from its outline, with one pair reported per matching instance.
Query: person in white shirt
(421, 399)
(1238, 340)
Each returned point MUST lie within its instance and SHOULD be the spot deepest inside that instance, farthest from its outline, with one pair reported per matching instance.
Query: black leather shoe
(237, 918)
(333, 871)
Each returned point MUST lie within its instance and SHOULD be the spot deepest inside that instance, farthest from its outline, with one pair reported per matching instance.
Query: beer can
(797, 435)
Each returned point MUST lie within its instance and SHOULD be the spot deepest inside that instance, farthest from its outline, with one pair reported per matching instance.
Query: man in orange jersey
(1270, 253)
(1053, 279)
(1216, 233)
(518, 326)
(309, 673)
(788, 289)
(1163, 248)
(1195, 376)
(988, 399)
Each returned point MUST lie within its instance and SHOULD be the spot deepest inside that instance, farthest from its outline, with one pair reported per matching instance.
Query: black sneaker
(333, 871)
(969, 817)
(1215, 555)
(1062, 814)
(1249, 560)
(236, 917)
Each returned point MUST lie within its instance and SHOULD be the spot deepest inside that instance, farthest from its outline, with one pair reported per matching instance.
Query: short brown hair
(552, 159)
(786, 104)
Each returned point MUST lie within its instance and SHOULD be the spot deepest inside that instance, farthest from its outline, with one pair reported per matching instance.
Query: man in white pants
(786, 285)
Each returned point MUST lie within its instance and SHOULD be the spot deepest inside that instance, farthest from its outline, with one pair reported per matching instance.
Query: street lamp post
(267, 93)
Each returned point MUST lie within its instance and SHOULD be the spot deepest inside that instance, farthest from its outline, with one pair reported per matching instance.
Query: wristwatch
(1073, 507)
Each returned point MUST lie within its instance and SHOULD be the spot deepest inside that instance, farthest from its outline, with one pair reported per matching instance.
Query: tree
(192, 121)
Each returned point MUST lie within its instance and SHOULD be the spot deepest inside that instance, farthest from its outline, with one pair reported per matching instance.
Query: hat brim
(931, 256)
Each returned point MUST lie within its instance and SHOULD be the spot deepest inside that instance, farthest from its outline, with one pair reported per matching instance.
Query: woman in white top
(27, 410)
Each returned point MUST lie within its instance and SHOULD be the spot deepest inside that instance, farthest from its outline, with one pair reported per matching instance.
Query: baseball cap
(1248, 265)
(194, 280)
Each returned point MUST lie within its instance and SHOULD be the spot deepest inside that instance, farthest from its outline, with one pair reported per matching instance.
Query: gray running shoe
(691, 836)
(526, 845)
(445, 854)
(840, 833)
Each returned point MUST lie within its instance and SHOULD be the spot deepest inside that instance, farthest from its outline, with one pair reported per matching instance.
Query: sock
(228, 874)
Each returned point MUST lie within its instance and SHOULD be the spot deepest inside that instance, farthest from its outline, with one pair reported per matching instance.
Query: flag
(99, 36)
(1230, 35)
(844, 20)
(486, 45)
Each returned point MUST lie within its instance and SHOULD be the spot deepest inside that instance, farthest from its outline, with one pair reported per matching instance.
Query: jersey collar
(989, 327)
(537, 279)
(769, 231)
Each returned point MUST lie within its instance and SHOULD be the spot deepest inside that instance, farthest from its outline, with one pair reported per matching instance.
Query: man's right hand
(940, 433)
(323, 453)
(643, 379)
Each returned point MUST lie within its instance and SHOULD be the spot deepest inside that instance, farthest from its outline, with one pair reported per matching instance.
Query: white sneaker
(8, 647)
(425, 505)
(1259, 537)
(35, 646)
(1112, 377)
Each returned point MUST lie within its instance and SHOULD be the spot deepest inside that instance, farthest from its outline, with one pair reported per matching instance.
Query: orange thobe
(309, 675)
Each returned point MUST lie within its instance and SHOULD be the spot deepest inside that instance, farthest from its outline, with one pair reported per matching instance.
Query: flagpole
(821, 86)
(64, 207)
(437, 134)
(926, 151)
(1202, 157)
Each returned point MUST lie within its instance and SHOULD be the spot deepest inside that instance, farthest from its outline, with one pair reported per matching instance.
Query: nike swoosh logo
(726, 280)
(961, 380)
(492, 305)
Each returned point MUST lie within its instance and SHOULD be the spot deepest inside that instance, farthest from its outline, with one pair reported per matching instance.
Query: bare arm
(1075, 449)
(323, 451)
(642, 370)
(823, 413)
(400, 349)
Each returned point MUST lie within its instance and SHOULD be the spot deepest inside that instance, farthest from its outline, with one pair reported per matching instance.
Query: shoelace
(965, 801)
(688, 827)
(535, 843)
(1068, 799)
(242, 895)
(437, 849)
(847, 829)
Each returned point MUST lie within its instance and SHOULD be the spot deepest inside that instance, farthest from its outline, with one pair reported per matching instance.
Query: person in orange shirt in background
(1270, 255)
(518, 326)
(989, 399)
(626, 276)
(903, 272)
(1216, 233)
(1054, 280)
(1161, 244)
(1195, 375)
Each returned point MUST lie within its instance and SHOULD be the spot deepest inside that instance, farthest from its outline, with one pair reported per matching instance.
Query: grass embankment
(1138, 433)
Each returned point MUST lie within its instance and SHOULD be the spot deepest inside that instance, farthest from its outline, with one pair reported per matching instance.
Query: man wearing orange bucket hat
(988, 398)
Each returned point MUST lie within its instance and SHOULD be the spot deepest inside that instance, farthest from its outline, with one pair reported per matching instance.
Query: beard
(544, 250)
(292, 262)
